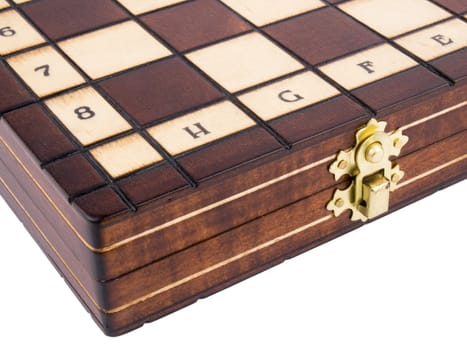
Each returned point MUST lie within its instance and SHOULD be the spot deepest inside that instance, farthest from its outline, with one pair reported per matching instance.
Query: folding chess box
(161, 150)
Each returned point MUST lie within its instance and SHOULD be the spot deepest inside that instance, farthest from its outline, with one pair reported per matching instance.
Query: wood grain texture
(71, 17)
(450, 37)
(401, 87)
(87, 115)
(383, 61)
(45, 71)
(125, 155)
(152, 99)
(458, 6)
(195, 23)
(334, 33)
(453, 65)
(36, 130)
(14, 94)
(288, 95)
(262, 12)
(201, 127)
(243, 261)
(394, 17)
(24, 36)
(238, 63)
(179, 236)
(140, 6)
(152, 183)
(161, 150)
(73, 185)
(113, 49)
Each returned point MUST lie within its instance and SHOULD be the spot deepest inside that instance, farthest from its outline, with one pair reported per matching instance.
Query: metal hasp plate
(373, 174)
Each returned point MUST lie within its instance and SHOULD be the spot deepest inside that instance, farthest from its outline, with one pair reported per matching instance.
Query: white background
(397, 283)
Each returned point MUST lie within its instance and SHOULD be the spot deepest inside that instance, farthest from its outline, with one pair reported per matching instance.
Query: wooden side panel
(232, 256)
(165, 239)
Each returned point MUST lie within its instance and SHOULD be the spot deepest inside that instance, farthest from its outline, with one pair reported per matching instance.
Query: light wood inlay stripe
(213, 267)
(44, 236)
(206, 208)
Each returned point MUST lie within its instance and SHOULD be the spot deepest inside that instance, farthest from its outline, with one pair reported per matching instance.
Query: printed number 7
(45, 68)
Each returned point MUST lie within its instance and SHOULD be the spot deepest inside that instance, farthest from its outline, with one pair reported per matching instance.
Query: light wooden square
(17, 33)
(88, 116)
(262, 12)
(384, 60)
(201, 127)
(244, 61)
(113, 49)
(3, 4)
(288, 95)
(45, 71)
(138, 7)
(436, 41)
(394, 17)
(126, 155)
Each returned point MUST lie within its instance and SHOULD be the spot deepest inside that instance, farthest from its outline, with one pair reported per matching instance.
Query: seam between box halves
(213, 267)
(208, 207)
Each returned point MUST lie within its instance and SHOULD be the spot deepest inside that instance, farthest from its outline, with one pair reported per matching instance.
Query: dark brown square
(315, 120)
(195, 23)
(229, 152)
(152, 183)
(62, 18)
(158, 90)
(12, 92)
(75, 175)
(399, 88)
(100, 204)
(39, 133)
(322, 35)
(458, 6)
(453, 65)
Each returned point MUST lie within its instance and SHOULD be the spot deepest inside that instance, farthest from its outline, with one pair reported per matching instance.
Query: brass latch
(369, 164)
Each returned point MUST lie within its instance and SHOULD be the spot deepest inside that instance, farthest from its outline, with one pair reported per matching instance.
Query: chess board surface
(124, 107)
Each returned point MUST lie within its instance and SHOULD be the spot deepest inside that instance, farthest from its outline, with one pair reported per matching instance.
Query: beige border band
(211, 206)
(215, 266)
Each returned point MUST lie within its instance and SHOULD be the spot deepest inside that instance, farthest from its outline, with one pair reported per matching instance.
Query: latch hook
(370, 166)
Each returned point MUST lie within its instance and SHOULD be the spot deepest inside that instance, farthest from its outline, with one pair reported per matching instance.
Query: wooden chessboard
(161, 150)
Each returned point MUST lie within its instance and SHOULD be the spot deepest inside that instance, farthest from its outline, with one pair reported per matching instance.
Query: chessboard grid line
(197, 107)
(199, 47)
(182, 52)
(349, 54)
(81, 151)
(308, 65)
(144, 133)
(108, 179)
(185, 52)
(118, 136)
(398, 47)
(94, 82)
(231, 97)
(447, 9)
(426, 26)
(135, 127)
(165, 7)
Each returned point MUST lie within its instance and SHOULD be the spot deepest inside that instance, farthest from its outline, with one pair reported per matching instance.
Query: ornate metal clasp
(374, 176)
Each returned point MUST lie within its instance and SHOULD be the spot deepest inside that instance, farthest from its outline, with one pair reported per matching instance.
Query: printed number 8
(7, 32)
(85, 113)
